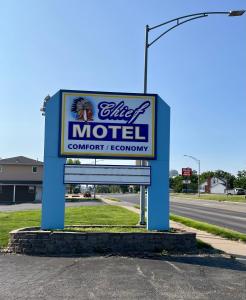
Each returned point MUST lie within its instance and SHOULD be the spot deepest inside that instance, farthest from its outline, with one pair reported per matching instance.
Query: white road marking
(140, 272)
(175, 267)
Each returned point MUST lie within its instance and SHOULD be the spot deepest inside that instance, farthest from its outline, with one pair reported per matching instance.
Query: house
(20, 180)
(213, 185)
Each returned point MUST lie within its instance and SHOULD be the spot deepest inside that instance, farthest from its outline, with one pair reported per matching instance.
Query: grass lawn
(233, 198)
(84, 215)
(105, 229)
(224, 232)
(79, 199)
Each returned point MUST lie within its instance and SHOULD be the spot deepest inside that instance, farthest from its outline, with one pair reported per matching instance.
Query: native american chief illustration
(83, 109)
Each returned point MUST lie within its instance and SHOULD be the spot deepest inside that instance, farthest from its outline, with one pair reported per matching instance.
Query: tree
(241, 174)
(171, 182)
(240, 181)
(102, 189)
(114, 189)
(136, 188)
(77, 162)
(193, 186)
(69, 161)
(124, 188)
(177, 184)
(228, 177)
(205, 175)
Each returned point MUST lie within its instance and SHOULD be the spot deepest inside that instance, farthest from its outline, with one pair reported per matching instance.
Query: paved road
(232, 215)
(28, 277)
(226, 214)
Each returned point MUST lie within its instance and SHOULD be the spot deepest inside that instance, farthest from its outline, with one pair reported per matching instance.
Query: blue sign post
(158, 191)
(110, 125)
(53, 200)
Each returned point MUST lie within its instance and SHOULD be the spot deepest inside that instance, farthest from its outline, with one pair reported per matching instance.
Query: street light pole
(177, 22)
(95, 163)
(146, 57)
(142, 162)
(94, 196)
(199, 170)
(199, 173)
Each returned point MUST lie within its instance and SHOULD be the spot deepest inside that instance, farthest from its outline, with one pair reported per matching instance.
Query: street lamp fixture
(174, 23)
(236, 13)
(198, 175)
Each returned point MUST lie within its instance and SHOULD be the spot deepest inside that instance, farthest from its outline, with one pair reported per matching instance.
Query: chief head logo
(82, 109)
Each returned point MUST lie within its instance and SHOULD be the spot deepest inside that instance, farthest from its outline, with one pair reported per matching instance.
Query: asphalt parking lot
(115, 277)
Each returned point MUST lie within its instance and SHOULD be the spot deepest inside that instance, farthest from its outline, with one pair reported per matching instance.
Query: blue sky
(198, 68)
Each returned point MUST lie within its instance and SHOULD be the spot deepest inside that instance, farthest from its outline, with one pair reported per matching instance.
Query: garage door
(6, 194)
(24, 194)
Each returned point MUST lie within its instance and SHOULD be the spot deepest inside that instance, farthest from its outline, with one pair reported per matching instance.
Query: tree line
(231, 181)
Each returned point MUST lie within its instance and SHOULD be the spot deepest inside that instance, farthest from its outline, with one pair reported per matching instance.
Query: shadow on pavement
(216, 261)
(208, 261)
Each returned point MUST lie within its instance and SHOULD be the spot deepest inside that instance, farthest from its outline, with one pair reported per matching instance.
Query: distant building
(20, 180)
(213, 185)
(173, 173)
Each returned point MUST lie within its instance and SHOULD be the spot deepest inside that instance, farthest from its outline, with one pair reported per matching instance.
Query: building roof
(20, 160)
(220, 181)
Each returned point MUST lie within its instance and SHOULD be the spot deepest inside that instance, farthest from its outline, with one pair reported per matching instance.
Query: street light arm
(192, 157)
(178, 24)
(188, 16)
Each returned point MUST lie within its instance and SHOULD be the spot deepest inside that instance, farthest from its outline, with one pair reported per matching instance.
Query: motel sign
(108, 125)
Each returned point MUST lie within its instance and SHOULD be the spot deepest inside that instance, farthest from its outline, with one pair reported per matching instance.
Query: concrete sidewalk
(237, 249)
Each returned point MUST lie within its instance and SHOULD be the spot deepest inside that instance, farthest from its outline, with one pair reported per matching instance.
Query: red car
(87, 194)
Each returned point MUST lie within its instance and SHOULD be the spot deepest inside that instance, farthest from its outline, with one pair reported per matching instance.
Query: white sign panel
(107, 125)
(100, 174)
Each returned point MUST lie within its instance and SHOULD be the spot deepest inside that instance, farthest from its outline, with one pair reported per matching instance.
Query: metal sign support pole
(142, 162)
